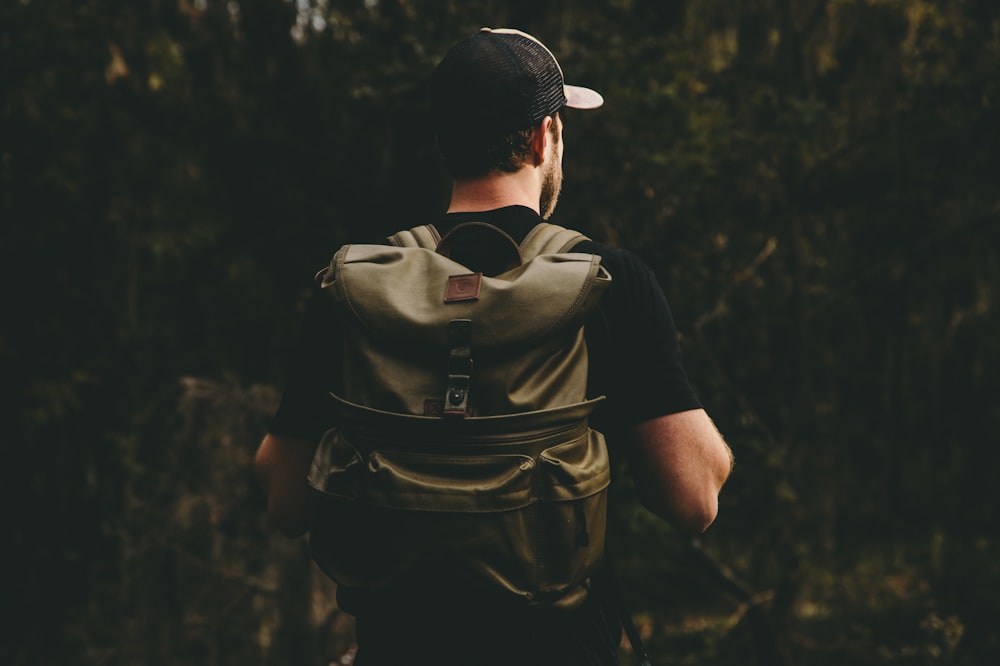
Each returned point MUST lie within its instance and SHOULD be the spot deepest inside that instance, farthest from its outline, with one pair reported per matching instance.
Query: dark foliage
(813, 182)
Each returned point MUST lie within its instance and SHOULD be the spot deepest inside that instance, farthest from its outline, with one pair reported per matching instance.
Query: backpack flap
(397, 306)
(398, 293)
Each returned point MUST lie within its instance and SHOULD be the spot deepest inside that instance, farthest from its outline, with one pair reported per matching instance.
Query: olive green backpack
(463, 454)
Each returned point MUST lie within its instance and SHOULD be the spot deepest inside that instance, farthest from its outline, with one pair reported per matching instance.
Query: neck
(496, 190)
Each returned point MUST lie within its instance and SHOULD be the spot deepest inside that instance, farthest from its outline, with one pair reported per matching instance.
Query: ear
(540, 140)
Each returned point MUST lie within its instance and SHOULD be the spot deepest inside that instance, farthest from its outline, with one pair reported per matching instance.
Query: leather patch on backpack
(462, 288)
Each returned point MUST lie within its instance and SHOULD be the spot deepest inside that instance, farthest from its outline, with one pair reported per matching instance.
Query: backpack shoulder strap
(548, 238)
(425, 236)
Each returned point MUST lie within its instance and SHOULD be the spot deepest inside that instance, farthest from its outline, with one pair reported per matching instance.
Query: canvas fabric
(463, 454)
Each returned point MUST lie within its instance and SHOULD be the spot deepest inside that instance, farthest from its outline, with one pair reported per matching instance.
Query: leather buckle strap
(456, 397)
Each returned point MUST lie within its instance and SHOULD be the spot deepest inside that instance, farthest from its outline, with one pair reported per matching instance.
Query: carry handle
(482, 247)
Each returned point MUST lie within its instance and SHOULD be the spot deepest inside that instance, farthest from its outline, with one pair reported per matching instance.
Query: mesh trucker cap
(501, 80)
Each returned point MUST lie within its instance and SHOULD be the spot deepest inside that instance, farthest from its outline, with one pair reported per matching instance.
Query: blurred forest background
(815, 183)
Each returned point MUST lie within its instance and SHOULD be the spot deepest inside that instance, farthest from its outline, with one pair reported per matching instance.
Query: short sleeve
(636, 359)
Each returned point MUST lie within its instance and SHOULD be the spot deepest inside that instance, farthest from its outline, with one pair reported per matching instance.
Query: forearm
(680, 464)
(282, 464)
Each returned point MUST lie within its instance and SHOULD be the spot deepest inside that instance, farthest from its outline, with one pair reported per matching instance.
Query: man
(497, 101)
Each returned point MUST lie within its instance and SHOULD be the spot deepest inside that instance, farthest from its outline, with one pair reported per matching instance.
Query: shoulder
(626, 261)
(631, 278)
(636, 356)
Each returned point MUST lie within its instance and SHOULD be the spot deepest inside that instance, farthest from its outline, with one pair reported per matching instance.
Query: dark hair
(470, 156)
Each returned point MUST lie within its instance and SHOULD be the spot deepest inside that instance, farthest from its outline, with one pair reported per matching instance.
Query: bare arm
(679, 465)
(282, 464)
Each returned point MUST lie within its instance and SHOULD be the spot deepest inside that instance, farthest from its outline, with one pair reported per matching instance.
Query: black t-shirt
(635, 361)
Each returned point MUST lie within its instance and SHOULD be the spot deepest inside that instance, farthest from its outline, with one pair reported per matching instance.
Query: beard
(551, 187)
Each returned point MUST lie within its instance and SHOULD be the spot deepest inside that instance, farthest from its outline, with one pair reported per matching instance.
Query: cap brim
(578, 97)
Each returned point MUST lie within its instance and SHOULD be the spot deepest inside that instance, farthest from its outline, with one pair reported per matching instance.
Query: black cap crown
(500, 81)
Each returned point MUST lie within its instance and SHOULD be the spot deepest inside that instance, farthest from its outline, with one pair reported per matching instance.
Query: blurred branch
(250, 582)
(751, 608)
(814, 19)
(700, 322)
(723, 575)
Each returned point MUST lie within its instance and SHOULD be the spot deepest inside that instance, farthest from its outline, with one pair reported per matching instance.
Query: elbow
(699, 512)
(289, 512)
(706, 515)
(701, 507)
(691, 512)
(695, 516)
